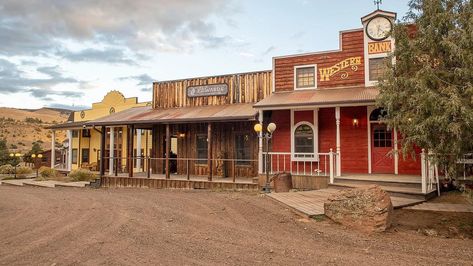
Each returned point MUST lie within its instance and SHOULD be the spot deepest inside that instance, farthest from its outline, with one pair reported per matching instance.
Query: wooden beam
(209, 150)
(132, 137)
(168, 151)
(154, 148)
(102, 151)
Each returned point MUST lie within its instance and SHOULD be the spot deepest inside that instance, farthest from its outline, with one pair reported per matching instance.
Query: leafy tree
(428, 92)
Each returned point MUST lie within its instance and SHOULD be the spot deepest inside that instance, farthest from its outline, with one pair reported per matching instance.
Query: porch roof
(194, 114)
(319, 97)
(68, 125)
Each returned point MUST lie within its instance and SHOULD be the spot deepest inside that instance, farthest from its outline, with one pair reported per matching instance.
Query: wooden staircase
(402, 187)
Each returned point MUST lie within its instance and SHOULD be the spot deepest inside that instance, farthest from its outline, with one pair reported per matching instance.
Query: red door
(382, 160)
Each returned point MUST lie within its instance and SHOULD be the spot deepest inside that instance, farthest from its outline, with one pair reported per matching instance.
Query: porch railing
(429, 174)
(305, 164)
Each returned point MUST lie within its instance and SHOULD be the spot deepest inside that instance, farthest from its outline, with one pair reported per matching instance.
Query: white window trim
(316, 137)
(315, 77)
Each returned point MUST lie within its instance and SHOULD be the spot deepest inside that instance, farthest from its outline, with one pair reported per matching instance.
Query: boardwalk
(442, 207)
(311, 203)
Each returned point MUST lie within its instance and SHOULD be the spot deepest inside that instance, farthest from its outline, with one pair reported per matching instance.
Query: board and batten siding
(351, 46)
(242, 88)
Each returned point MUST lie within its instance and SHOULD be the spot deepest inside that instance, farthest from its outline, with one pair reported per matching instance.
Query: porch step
(414, 184)
(395, 190)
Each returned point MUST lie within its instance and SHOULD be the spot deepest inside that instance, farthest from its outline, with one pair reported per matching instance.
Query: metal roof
(194, 114)
(319, 97)
(68, 125)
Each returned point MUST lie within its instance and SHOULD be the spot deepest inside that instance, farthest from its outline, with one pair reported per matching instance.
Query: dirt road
(133, 226)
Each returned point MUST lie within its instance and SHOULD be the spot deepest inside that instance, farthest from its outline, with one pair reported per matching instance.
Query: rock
(368, 209)
(430, 232)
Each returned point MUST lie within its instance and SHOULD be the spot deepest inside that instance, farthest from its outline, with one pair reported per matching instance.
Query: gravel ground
(60, 226)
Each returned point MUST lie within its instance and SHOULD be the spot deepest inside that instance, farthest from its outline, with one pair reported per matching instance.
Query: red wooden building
(326, 101)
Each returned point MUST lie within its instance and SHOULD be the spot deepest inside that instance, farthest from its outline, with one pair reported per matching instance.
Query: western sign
(353, 62)
(207, 90)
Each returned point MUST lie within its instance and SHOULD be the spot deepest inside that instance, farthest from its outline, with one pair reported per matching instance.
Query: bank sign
(207, 90)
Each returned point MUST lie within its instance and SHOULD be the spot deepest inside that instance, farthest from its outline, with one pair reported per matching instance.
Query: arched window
(304, 139)
(377, 114)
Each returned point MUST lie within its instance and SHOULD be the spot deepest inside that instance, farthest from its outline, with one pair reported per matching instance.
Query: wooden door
(382, 160)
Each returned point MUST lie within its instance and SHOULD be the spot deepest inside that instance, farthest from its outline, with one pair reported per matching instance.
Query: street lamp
(15, 155)
(267, 137)
(35, 157)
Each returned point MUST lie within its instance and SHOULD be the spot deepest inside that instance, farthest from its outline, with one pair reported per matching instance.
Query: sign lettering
(379, 47)
(207, 90)
(353, 62)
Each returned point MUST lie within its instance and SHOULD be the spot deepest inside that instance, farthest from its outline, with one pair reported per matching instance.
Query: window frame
(85, 151)
(382, 59)
(315, 77)
(75, 133)
(76, 151)
(85, 133)
(247, 161)
(315, 155)
(201, 161)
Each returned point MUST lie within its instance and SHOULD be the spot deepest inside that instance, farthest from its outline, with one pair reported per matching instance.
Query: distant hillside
(22, 127)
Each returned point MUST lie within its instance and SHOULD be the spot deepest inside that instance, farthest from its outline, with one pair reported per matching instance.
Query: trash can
(282, 182)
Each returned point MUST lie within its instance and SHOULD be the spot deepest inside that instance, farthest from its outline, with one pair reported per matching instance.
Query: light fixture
(271, 127)
(40, 156)
(18, 155)
(11, 154)
(33, 156)
(258, 128)
(355, 122)
(182, 135)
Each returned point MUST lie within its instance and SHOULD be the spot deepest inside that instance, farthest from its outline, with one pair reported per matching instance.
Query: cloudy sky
(62, 53)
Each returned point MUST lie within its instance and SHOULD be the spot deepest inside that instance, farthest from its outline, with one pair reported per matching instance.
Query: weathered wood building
(210, 119)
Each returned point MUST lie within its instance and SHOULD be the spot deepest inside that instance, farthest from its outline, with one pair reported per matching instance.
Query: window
(85, 156)
(305, 77)
(201, 142)
(74, 156)
(75, 133)
(86, 133)
(304, 141)
(377, 68)
(242, 149)
(138, 155)
(382, 138)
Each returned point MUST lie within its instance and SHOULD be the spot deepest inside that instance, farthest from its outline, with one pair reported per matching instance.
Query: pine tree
(428, 92)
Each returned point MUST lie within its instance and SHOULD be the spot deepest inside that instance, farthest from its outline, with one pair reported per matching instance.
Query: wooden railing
(306, 164)
(429, 173)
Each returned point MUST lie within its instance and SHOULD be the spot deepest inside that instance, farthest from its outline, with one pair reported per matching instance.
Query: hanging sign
(379, 47)
(353, 62)
(207, 90)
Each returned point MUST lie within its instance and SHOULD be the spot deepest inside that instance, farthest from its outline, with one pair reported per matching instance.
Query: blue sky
(71, 53)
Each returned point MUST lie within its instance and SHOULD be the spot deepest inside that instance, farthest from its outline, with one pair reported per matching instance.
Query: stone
(367, 209)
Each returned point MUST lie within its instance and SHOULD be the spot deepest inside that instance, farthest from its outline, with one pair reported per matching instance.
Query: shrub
(22, 171)
(47, 172)
(7, 169)
(81, 175)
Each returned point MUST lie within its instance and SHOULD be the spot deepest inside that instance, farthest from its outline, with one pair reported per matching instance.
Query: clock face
(379, 28)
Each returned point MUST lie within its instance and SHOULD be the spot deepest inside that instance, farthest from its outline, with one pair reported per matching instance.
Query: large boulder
(368, 209)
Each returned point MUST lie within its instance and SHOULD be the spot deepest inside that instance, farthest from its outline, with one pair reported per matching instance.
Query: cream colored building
(84, 141)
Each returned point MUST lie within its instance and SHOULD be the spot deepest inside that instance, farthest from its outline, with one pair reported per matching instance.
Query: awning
(319, 97)
(68, 125)
(195, 114)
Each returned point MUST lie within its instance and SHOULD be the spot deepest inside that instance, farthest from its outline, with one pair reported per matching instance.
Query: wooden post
(53, 149)
(102, 151)
(130, 138)
(154, 150)
(188, 172)
(148, 169)
(168, 151)
(209, 150)
(234, 170)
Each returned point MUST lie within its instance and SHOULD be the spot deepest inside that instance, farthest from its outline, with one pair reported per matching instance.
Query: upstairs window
(86, 133)
(75, 133)
(305, 77)
(377, 68)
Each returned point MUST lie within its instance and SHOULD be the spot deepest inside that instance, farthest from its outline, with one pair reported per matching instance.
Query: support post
(130, 150)
(69, 150)
(112, 150)
(154, 150)
(339, 156)
(53, 148)
(331, 166)
(424, 171)
(260, 145)
(396, 153)
(138, 149)
(209, 150)
(102, 151)
(168, 151)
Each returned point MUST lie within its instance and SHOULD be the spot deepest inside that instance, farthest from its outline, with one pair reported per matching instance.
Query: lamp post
(15, 155)
(35, 158)
(267, 137)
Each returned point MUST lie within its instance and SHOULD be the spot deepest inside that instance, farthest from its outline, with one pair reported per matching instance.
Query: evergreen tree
(428, 92)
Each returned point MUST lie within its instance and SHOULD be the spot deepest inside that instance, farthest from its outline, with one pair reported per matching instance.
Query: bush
(22, 171)
(7, 169)
(81, 175)
(47, 173)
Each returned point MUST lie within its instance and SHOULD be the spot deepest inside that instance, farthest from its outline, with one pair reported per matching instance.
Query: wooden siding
(352, 46)
(223, 147)
(242, 88)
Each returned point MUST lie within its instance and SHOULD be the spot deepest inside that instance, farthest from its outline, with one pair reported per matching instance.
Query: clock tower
(378, 43)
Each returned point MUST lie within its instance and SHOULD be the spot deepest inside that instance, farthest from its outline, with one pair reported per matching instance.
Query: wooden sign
(353, 62)
(379, 47)
(207, 90)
